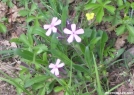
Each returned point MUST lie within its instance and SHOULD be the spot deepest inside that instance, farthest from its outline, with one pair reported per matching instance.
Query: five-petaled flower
(52, 27)
(89, 16)
(73, 33)
(55, 67)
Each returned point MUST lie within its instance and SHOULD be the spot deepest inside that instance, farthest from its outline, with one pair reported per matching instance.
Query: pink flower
(51, 27)
(73, 33)
(55, 67)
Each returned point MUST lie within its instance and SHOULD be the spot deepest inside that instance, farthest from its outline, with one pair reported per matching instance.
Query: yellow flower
(89, 16)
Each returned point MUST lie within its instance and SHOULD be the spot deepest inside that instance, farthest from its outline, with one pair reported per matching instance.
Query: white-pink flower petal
(70, 39)
(54, 29)
(67, 31)
(79, 31)
(52, 71)
(56, 72)
(77, 38)
(54, 20)
(46, 26)
(55, 67)
(58, 62)
(48, 33)
(73, 27)
(60, 65)
(57, 22)
(51, 65)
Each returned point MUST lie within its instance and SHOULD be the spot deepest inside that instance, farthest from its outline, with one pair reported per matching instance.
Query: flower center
(73, 32)
(52, 25)
(55, 67)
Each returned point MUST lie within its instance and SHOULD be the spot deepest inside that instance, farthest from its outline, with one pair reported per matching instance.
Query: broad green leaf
(131, 30)
(34, 80)
(3, 28)
(94, 40)
(91, 6)
(24, 54)
(98, 88)
(30, 18)
(119, 2)
(24, 39)
(61, 56)
(40, 48)
(107, 2)
(42, 91)
(30, 38)
(64, 16)
(34, 6)
(37, 86)
(111, 9)
(24, 12)
(80, 68)
(132, 5)
(40, 16)
(54, 41)
(45, 57)
(51, 86)
(120, 30)
(41, 32)
(58, 88)
(100, 14)
(6, 52)
(102, 43)
(100, 1)
(88, 58)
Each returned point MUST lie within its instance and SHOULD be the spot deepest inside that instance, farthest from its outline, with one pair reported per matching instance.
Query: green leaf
(40, 48)
(51, 86)
(111, 9)
(94, 41)
(61, 56)
(80, 68)
(24, 54)
(120, 30)
(24, 39)
(54, 41)
(91, 6)
(131, 30)
(3, 28)
(24, 12)
(30, 18)
(34, 80)
(100, 14)
(34, 6)
(42, 91)
(132, 5)
(88, 59)
(37, 86)
(130, 39)
(107, 2)
(64, 15)
(58, 88)
(119, 2)
(41, 32)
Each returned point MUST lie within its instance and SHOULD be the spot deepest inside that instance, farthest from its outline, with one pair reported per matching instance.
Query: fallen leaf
(14, 14)
(3, 9)
(120, 41)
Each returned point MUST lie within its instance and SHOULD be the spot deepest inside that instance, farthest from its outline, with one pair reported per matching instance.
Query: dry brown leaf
(3, 9)
(14, 14)
(120, 41)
